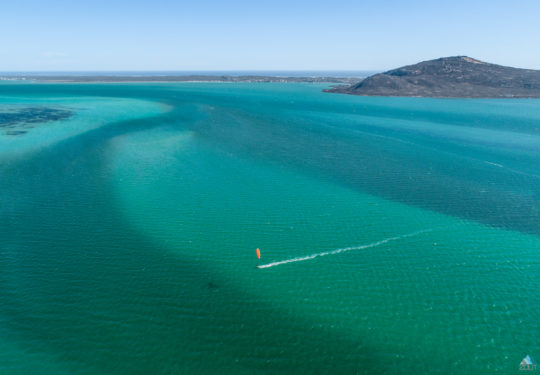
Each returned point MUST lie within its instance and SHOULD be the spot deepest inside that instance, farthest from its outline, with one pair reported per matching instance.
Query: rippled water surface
(397, 235)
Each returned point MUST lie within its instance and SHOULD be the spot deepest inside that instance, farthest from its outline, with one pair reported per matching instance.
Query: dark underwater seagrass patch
(16, 122)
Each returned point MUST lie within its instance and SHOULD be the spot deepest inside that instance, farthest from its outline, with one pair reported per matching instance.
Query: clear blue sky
(263, 35)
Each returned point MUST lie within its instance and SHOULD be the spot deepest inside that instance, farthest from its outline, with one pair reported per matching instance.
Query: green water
(402, 234)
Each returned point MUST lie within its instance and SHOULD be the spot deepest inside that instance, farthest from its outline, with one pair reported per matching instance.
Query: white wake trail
(342, 250)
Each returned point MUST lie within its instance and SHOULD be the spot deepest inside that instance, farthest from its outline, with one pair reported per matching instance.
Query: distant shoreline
(178, 78)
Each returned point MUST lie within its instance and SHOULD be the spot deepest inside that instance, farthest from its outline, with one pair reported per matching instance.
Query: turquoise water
(398, 235)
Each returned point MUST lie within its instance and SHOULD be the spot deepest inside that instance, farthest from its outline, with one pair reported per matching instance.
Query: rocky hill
(459, 76)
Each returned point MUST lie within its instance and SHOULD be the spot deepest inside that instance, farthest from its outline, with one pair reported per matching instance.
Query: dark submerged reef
(17, 122)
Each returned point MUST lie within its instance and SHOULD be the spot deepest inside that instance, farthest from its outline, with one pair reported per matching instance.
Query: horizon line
(189, 70)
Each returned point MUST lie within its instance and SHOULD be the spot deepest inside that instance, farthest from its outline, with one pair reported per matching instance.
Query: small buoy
(258, 253)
